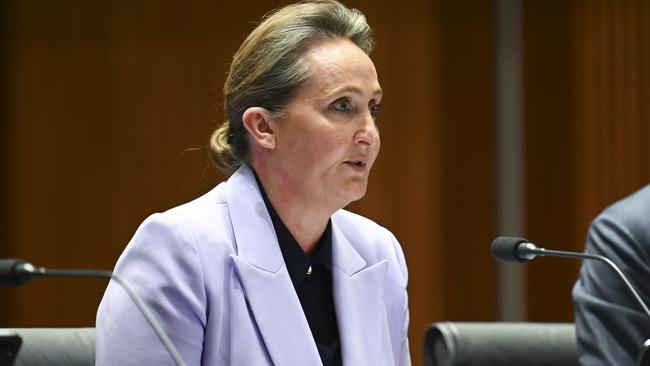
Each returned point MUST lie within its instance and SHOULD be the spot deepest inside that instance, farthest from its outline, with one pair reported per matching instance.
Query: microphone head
(504, 248)
(11, 272)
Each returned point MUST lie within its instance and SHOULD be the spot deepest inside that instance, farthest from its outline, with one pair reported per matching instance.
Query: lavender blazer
(214, 275)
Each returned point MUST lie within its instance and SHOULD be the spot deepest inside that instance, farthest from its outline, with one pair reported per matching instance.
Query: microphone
(511, 249)
(16, 272)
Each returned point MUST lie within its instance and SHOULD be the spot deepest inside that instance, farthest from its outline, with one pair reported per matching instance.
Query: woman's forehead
(340, 64)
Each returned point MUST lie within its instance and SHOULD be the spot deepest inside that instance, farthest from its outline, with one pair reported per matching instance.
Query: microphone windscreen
(8, 272)
(504, 248)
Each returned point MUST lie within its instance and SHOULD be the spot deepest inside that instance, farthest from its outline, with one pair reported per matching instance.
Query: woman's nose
(367, 133)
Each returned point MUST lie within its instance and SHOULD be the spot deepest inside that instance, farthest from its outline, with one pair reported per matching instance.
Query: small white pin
(309, 271)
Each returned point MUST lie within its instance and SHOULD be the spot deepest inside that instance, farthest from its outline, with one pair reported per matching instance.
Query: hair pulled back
(269, 67)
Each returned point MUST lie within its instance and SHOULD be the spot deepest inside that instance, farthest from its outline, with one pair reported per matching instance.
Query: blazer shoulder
(631, 208)
(200, 225)
(210, 201)
(202, 213)
(627, 219)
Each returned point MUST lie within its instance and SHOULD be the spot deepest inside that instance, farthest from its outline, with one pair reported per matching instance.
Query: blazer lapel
(264, 277)
(358, 295)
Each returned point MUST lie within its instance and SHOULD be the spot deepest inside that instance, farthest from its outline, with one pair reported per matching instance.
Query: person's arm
(403, 356)
(610, 325)
(162, 265)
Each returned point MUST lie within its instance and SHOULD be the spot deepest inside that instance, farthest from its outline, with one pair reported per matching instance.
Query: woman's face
(327, 141)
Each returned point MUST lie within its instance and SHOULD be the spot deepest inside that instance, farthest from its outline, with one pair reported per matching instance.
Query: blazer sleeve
(610, 325)
(400, 307)
(161, 263)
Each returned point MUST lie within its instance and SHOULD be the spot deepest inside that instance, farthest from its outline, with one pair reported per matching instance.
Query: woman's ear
(257, 122)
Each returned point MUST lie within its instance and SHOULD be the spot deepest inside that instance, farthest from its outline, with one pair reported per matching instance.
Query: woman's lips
(357, 165)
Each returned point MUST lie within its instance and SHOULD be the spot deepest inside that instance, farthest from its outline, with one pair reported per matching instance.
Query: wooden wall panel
(612, 117)
(587, 129)
(468, 156)
(102, 115)
(547, 151)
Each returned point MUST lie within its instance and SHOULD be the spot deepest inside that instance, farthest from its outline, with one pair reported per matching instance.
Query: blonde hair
(269, 67)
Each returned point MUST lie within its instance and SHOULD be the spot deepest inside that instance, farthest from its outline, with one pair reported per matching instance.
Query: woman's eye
(342, 106)
(374, 110)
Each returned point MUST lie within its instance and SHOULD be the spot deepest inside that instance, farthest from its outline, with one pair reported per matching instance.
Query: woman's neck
(306, 218)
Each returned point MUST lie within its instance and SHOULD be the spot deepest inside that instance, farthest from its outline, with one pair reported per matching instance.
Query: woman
(267, 268)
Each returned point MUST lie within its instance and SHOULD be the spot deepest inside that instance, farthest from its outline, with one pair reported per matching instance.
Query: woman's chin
(355, 194)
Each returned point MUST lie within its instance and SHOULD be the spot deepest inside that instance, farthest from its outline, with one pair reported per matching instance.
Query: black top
(311, 276)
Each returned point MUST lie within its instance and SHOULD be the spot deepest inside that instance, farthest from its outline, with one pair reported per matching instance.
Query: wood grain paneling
(468, 157)
(588, 126)
(547, 155)
(612, 117)
(106, 99)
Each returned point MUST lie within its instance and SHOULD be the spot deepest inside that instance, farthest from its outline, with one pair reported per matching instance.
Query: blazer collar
(264, 277)
(358, 289)
(358, 296)
(255, 237)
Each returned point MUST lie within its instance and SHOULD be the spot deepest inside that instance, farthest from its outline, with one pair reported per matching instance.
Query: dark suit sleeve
(610, 325)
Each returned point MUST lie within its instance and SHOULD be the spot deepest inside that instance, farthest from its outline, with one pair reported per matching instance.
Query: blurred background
(499, 117)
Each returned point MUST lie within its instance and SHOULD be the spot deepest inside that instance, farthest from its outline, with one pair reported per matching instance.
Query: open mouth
(358, 164)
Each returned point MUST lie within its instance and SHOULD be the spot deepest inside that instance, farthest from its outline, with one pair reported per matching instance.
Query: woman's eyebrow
(351, 88)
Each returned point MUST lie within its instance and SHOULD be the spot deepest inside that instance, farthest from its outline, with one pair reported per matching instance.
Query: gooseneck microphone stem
(42, 272)
(152, 320)
(559, 253)
(532, 249)
(18, 272)
(512, 249)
